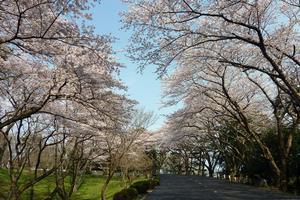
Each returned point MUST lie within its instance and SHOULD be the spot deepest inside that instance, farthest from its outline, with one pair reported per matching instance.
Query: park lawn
(89, 190)
(41, 189)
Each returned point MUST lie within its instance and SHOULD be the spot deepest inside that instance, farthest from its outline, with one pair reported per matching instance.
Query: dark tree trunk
(14, 191)
(104, 187)
(2, 151)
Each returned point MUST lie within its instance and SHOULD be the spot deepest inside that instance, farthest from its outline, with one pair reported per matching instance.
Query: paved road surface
(174, 187)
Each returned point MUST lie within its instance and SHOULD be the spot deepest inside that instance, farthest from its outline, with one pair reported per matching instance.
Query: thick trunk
(4, 143)
(268, 155)
(73, 186)
(284, 151)
(210, 167)
(154, 168)
(61, 188)
(265, 150)
(283, 162)
(2, 151)
(283, 174)
(233, 173)
(14, 191)
(203, 168)
(104, 187)
(129, 178)
(186, 168)
(31, 195)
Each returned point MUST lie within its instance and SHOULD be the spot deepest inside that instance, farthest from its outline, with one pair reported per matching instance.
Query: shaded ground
(174, 187)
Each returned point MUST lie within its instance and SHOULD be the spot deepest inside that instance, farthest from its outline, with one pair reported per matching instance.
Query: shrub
(126, 194)
(157, 178)
(141, 186)
(153, 183)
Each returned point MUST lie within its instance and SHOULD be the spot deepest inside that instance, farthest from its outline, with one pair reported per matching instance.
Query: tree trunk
(283, 174)
(61, 187)
(73, 185)
(233, 173)
(203, 168)
(104, 187)
(186, 166)
(5, 143)
(31, 194)
(2, 151)
(283, 152)
(14, 191)
(268, 155)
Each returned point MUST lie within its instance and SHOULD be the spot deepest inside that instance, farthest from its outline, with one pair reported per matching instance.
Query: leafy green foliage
(141, 186)
(153, 183)
(126, 194)
(138, 187)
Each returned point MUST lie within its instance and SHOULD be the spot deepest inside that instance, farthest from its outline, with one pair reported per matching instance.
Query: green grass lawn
(89, 190)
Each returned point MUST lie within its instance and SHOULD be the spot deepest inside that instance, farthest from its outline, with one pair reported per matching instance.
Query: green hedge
(126, 194)
(139, 187)
(154, 183)
(156, 178)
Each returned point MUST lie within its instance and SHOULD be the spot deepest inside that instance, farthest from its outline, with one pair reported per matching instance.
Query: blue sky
(145, 88)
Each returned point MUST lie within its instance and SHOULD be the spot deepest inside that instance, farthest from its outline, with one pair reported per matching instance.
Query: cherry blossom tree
(202, 43)
(58, 87)
(251, 35)
(121, 143)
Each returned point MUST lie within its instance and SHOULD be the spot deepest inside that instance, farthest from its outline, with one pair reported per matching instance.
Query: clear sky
(145, 88)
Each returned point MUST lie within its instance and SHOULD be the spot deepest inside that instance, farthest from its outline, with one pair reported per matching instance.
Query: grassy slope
(89, 190)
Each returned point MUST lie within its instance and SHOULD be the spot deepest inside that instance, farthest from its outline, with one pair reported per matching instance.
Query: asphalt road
(174, 187)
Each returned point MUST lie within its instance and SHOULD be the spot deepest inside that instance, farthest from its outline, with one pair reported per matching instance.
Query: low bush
(154, 183)
(156, 177)
(126, 194)
(141, 186)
